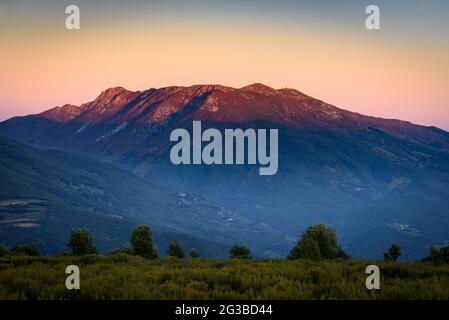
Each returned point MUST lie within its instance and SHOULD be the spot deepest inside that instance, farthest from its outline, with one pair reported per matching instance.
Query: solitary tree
(393, 253)
(239, 252)
(3, 251)
(316, 242)
(81, 242)
(142, 242)
(24, 250)
(175, 249)
(194, 253)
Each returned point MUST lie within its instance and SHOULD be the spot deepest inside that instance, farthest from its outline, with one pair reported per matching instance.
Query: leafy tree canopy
(142, 242)
(194, 253)
(24, 250)
(393, 253)
(317, 242)
(438, 255)
(239, 252)
(175, 249)
(81, 242)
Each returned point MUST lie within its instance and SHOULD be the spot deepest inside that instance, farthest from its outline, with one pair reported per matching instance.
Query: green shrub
(194, 254)
(393, 253)
(142, 242)
(3, 251)
(438, 255)
(175, 249)
(316, 242)
(24, 250)
(239, 252)
(81, 243)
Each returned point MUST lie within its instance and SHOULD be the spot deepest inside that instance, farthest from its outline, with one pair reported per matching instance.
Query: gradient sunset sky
(321, 48)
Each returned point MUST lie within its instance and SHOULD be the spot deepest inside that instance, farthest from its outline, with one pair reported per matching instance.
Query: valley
(45, 194)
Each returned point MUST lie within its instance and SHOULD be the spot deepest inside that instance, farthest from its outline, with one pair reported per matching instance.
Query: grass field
(130, 277)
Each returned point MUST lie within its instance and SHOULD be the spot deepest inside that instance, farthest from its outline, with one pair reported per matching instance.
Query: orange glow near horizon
(361, 71)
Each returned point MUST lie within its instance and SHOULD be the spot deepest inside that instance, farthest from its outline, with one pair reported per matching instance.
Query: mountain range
(375, 180)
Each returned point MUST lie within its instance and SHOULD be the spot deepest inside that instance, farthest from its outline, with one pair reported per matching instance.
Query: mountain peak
(259, 87)
(111, 92)
(65, 113)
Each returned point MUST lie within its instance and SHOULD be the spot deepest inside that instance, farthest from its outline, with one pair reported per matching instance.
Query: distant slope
(116, 113)
(44, 194)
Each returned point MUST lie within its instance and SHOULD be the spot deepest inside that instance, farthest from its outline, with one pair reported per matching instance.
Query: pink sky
(373, 73)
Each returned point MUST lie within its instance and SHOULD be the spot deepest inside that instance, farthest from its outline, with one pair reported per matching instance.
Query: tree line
(317, 242)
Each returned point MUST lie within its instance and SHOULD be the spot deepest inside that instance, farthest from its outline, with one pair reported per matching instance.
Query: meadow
(124, 276)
